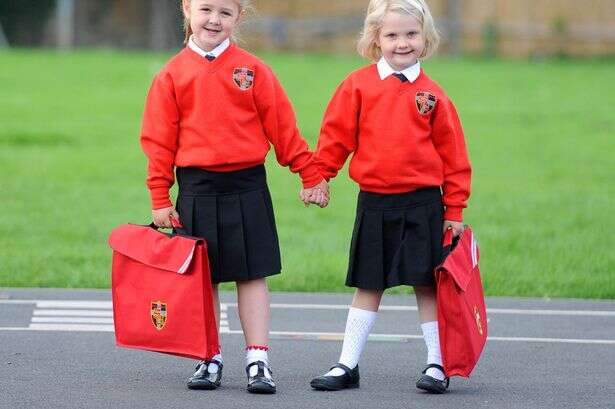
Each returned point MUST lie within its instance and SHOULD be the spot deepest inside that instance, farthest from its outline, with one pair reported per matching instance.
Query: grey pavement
(541, 354)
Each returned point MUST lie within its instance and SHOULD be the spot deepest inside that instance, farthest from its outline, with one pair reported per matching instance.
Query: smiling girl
(211, 116)
(410, 161)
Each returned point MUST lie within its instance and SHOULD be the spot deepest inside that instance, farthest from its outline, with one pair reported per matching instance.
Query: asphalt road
(59, 353)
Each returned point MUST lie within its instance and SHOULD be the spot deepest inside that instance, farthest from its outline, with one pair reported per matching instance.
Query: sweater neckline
(392, 81)
(212, 66)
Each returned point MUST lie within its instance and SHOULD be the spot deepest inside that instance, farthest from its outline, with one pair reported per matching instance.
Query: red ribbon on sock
(259, 347)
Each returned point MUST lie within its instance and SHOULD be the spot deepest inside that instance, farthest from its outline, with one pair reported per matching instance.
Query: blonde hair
(245, 7)
(376, 11)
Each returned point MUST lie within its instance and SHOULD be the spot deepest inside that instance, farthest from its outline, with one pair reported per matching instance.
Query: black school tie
(400, 76)
(210, 57)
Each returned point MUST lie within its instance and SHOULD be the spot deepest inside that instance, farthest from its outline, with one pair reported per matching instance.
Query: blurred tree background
(523, 28)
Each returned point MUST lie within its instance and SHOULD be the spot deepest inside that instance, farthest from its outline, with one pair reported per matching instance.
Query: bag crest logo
(243, 78)
(159, 314)
(478, 320)
(425, 102)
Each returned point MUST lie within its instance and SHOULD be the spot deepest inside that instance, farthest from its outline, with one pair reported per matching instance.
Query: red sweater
(395, 147)
(219, 116)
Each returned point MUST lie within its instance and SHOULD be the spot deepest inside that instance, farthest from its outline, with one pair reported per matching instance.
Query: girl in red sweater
(211, 115)
(410, 161)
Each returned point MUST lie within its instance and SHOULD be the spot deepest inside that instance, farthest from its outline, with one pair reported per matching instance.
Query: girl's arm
(338, 133)
(159, 136)
(449, 141)
(280, 125)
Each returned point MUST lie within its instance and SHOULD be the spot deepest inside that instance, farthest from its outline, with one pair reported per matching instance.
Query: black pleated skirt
(397, 239)
(233, 212)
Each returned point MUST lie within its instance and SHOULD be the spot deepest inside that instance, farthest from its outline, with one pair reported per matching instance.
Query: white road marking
(107, 305)
(74, 320)
(224, 325)
(339, 336)
(72, 327)
(320, 336)
(63, 304)
(75, 313)
(514, 311)
(97, 316)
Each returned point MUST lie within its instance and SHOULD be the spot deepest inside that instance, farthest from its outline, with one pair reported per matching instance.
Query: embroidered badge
(425, 102)
(159, 314)
(478, 320)
(243, 78)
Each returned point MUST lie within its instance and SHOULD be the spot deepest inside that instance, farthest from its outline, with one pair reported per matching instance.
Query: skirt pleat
(396, 239)
(233, 212)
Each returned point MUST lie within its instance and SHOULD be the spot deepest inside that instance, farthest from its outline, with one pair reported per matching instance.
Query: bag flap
(153, 248)
(462, 260)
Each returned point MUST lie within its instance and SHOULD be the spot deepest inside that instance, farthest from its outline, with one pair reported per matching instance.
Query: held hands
(318, 194)
(162, 217)
(457, 227)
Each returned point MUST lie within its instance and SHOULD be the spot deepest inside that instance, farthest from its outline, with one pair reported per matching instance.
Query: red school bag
(462, 316)
(162, 293)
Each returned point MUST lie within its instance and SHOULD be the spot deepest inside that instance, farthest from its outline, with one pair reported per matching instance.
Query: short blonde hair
(376, 11)
(245, 6)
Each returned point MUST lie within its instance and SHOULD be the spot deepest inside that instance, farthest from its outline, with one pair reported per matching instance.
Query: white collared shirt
(215, 52)
(412, 72)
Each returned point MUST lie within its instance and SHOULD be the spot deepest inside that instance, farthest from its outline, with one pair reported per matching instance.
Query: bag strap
(447, 240)
(174, 222)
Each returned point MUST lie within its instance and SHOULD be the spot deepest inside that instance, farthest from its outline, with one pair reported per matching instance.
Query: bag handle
(174, 222)
(448, 237)
(448, 243)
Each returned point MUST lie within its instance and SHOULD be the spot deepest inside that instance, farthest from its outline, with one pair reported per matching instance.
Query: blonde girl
(211, 116)
(410, 161)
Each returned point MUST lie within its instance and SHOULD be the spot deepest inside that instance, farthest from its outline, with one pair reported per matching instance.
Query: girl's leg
(209, 373)
(426, 301)
(253, 303)
(216, 305)
(367, 299)
(217, 315)
(361, 318)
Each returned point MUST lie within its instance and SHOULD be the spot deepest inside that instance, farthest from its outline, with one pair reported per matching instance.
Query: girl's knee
(422, 290)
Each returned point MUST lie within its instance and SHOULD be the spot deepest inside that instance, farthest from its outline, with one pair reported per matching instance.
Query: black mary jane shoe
(431, 384)
(203, 379)
(350, 379)
(259, 383)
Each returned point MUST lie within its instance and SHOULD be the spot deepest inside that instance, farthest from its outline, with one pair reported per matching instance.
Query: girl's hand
(318, 194)
(457, 227)
(162, 218)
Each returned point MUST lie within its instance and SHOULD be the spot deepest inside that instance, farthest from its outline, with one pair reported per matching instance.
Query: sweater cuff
(160, 198)
(453, 213)
(310, 176)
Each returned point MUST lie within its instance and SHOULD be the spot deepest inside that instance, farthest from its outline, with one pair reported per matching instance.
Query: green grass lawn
(541, 137)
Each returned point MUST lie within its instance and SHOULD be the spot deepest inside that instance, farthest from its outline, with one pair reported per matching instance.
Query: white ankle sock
(358, 326)
(213, 367)
(432, 340)
(253, 355)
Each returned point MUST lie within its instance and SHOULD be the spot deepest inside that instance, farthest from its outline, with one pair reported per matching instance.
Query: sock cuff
(257, 347)
(253, 355)
(429, 327)
(362, 314)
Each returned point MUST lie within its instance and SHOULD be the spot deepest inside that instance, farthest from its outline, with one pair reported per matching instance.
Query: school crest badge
(425, 102)
(159, 314)
(243, 78)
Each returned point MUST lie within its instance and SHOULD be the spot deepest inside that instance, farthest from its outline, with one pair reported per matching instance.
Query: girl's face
(401, 40)
(212, 21)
